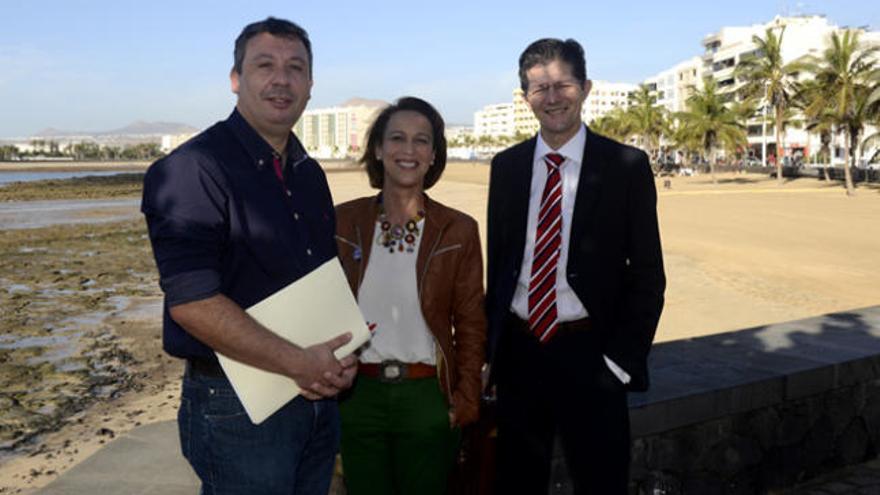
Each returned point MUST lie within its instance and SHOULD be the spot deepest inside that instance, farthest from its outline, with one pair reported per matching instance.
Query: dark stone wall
(765, 449)
(755, 410)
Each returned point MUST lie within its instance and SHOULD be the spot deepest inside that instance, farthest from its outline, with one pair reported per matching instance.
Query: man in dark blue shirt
(235, 214)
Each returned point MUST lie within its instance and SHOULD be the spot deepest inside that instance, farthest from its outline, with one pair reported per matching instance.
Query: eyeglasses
(564, 88)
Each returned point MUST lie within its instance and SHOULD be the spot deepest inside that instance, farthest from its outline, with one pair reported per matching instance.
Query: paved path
(147, 461)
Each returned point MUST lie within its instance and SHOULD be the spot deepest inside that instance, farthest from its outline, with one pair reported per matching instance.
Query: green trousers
(396, 438)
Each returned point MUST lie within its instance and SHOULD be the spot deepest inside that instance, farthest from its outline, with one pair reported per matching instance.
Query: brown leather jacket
(449, 275)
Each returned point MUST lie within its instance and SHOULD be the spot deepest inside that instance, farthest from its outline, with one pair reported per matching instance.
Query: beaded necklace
(396, 237)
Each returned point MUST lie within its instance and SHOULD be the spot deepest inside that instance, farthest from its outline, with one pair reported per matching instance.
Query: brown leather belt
(394, 371)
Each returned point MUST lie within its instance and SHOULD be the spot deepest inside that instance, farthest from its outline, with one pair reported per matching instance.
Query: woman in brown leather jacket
(415, 267)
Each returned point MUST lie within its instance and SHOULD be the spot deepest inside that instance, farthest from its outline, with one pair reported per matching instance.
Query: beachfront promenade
(791, 407)
(738, 254)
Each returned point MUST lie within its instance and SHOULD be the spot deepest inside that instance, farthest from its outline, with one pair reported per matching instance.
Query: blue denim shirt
(220, 222)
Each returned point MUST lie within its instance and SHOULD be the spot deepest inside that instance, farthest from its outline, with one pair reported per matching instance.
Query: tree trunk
(712, 155)
(780, 146)
(850, 189)
(826, 165)
(858, 154)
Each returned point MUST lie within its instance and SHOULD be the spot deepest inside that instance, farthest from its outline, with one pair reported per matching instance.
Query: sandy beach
(740, 253)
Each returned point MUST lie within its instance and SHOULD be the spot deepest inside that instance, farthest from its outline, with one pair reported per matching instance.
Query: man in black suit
(575, 285)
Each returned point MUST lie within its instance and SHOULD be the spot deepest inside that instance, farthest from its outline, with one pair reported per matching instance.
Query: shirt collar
(572, 150)
(257, 147)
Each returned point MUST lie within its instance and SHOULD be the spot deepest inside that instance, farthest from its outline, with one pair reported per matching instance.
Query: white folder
(314, 309)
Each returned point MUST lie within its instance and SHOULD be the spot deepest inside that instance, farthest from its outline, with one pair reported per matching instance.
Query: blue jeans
(291, 452)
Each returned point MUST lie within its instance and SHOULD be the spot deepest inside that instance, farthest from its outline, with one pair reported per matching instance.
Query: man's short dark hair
(375, 168)
(276, 27)
(546, 50)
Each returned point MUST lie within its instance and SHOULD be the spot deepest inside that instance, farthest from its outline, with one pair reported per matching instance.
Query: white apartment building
(455, 132)
(337, 132)
(170, 142)
(458, 138)
(524, 121)
(604, 97)
(675, 85)
(494, 120)
(803, 35)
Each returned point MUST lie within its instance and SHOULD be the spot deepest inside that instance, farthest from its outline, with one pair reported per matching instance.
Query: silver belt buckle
(391, 371)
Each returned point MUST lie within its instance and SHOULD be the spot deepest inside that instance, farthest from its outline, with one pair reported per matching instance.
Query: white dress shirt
(568, 306)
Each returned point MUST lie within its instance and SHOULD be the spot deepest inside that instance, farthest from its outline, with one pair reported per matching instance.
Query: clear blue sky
(99, 64)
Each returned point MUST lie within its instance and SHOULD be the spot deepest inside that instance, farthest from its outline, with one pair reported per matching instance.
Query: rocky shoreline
(120, 185)
(80, 340)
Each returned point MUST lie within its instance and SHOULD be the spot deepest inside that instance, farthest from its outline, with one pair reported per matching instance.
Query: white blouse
(389, 297)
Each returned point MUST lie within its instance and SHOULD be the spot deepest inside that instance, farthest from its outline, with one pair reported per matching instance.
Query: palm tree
(613, 124)
(8, 152)
(823, 125)
(744, 111)
(685, 142)
(845, 74)
(819, 119)
(646, 119)
(710, 121)
(873, 140)
(862, 114)
(766, 76)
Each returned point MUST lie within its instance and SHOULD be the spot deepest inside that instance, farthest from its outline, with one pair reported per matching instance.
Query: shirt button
(289, 194)
(260, 163)
(309, 252)
(296, 216)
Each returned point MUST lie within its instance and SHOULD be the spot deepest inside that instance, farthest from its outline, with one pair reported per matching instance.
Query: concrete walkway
(147, 460)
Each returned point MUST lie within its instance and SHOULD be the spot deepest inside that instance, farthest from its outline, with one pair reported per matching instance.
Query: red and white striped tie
(548, 243)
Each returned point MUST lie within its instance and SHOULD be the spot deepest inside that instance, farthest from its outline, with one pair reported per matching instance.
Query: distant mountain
(364, 102)
(139, 128)
(52, 132)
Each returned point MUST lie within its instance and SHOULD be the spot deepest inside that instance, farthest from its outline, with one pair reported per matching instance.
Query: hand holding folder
(315, 385)
(308, 312)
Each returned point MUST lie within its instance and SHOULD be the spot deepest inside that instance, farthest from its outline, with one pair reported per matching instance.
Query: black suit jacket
(615, 265)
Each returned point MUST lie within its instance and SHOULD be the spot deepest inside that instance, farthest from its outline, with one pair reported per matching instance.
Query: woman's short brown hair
(375, 168)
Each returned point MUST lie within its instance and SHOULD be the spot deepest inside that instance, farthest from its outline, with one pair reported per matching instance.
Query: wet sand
(35, 214)
(79, 345)
(73, 166)
(738, 254)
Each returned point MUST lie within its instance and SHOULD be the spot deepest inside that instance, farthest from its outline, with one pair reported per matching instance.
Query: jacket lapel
(435, 223)
(520, 188)
(589, 184)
